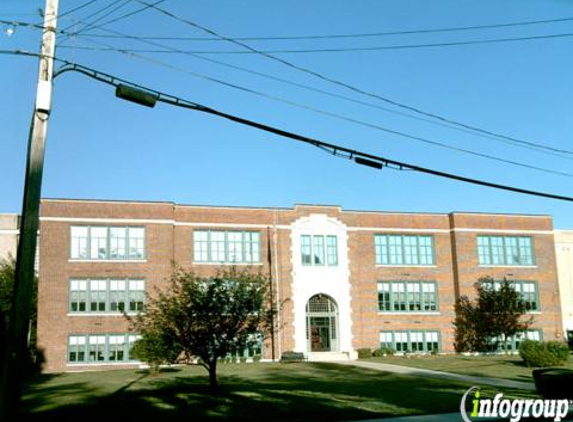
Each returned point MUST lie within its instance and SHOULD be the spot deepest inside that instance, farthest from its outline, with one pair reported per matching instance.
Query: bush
(364, 353)
(543, 354)
(384, 351)
(154, 350)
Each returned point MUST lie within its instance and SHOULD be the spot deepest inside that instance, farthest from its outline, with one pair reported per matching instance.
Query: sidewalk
(407, 370)
(446, 417)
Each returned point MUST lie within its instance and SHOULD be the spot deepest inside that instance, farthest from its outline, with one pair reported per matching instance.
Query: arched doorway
(321, 324)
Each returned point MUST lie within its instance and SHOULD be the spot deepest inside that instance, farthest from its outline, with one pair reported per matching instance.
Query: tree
(206, 317)
(7, 276)
(497, 312)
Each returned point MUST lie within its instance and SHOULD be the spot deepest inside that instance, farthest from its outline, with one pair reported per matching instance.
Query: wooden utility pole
(16, 344)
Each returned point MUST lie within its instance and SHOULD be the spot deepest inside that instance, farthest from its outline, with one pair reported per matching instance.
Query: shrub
(543, 354)
(152, 350)
(364, 353)
(256, 358)
(384, 351)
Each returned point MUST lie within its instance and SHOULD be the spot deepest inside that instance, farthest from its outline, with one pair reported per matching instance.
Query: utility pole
(16, 344)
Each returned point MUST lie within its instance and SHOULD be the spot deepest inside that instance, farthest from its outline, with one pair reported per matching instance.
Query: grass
(257, 392)
(497, 366)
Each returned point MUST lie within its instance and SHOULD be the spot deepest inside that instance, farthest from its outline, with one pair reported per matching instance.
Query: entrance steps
(329, 356)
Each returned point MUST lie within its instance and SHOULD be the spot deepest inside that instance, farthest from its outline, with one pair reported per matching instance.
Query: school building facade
(346, 279)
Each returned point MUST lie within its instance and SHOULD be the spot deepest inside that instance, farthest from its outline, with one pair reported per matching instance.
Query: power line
(372, 48)
(333, 148)
(351, 87)
(350, 119)
(500, 138)
(115, 5)
(356, 155)
(356, 35)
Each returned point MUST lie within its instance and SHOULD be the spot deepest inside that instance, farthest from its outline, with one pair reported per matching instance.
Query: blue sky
(101, 147)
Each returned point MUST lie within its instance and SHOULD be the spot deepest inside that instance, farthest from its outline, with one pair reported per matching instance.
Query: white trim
(236, 225)
(503, 231)
(9, 231)
(108, 220)
(507, 266)
(119, 261)
(99, 314)
(406, 266)
(397, 229)
(128, 362)
(241, 264)
(407, 313)
(281, 227)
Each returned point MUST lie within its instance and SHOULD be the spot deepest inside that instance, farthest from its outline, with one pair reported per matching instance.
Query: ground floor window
(411, 341)
(513, 342)
(254, 348)
(100, 348)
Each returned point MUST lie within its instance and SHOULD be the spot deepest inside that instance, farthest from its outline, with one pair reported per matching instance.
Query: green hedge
(384, 351)
(364, 353)
(543, 354)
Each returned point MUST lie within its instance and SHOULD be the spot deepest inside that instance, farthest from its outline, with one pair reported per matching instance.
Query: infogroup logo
(514, 409)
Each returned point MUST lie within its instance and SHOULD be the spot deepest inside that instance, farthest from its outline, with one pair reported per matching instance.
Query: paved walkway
(408, 370)
(446, 417)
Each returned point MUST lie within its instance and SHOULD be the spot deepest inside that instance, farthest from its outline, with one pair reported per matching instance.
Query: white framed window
(505, 250)
(100, 348)
(107, 243)
(406, 250)
(407, 296)
(411, 341)
(106, 295)
(228, 247)
(319, 250)
(526, 289)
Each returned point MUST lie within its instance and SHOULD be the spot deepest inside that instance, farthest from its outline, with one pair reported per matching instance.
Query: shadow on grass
(294, 392)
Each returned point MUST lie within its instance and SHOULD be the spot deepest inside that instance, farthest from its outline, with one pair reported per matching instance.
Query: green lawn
(257, 392)
(508, 367)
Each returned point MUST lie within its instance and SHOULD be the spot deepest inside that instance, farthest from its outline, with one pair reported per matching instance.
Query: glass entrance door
(320, 334)
(321, 316)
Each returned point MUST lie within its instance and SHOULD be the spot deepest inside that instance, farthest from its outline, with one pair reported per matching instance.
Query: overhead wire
(522, 144)
(351, 153)
(349, 86)
(370, 48)
(349, 119)
(355, 35)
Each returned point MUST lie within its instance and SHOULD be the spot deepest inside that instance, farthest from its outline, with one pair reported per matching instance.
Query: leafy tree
(155, 349)
(7, 276)
(206, 317)
(496, 312)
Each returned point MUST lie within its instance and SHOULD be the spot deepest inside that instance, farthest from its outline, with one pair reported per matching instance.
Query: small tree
(206, 317)
(497, 311)
(7, 276)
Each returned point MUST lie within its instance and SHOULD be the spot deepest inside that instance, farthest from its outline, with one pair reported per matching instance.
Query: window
(407, 296)
(319, 250)
(404, 249)
(513, 342)
(239, 247)
(527, 290)
(136, 295)
(100, 348)
(419, 341)
(107, 243)
(105, 295)
(78, 295)
(505, 250)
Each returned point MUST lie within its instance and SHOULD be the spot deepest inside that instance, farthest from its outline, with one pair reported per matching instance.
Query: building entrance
(321, 324)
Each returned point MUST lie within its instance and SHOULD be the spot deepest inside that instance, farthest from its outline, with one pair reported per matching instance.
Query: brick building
(348, 279)
(9, 224)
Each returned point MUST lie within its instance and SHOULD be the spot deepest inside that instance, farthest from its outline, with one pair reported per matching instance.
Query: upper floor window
(106, 295)
(319, 250)
(407, 296)
(505, 250)
(105, 243)
(527, 290)
(239, 247)
(404, 249)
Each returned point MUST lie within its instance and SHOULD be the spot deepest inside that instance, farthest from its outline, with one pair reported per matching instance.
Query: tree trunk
(213, 375)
